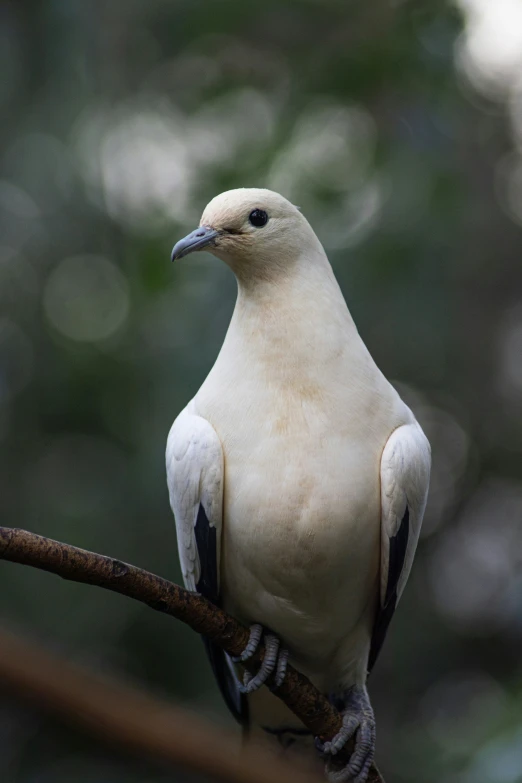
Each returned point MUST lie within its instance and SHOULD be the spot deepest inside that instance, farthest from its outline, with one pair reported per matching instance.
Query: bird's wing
(405, 475)
(195, 475)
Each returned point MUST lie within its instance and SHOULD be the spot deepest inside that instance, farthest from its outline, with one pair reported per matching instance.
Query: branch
(79, 565)
(125, 716)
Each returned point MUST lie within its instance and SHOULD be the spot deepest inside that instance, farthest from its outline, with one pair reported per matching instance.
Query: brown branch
(124, 716)
(79, 565)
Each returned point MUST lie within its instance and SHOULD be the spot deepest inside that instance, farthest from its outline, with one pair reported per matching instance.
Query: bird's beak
(196, 240)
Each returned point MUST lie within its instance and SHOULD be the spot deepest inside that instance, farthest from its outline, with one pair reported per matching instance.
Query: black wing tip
(206, 543)
(398, 546)
(235, 700)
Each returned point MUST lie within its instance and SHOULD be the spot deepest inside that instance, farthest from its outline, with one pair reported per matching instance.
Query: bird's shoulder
(191, 436)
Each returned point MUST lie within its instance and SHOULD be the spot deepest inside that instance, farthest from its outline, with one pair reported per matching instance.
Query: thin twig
(79, 565)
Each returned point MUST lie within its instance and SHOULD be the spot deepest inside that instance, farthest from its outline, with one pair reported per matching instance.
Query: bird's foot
(358, 722)
(274, 662)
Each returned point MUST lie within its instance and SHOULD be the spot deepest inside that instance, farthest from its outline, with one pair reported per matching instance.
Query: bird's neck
(300, 312)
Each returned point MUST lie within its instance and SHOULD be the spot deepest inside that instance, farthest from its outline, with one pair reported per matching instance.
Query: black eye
(258, 218)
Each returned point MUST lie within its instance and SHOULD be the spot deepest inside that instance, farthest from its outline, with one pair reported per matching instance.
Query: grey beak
(196, 240)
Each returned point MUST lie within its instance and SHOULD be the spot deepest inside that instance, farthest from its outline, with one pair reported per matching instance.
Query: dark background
(397, 128)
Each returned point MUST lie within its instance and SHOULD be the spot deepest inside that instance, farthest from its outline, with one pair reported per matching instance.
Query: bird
(298, 479)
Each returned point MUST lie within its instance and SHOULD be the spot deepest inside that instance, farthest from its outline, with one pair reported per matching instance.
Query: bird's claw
(358, 721)
(256, 632)
(280, 672)
(274, 663)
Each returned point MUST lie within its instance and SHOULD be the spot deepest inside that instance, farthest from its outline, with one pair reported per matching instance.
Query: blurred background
(397, 127)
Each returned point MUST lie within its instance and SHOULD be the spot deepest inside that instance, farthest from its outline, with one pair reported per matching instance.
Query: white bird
(297, 475)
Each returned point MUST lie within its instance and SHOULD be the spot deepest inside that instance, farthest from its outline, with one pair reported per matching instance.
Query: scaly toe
(362, 756)
(363, 774)
(256, 632)
(350, 725)
(280, 672)
(247, 677)
(267, 667)
(359, 765)
(358, 720)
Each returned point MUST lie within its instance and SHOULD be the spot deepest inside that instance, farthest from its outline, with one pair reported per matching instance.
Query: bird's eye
(258, 218)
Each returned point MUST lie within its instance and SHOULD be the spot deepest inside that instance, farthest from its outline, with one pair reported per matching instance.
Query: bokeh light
(86, 298)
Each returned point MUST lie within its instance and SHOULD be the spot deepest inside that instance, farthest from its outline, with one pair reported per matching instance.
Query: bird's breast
(301, 538)
(301, 523)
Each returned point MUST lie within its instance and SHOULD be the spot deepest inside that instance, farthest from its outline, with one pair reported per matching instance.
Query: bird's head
(255, 231)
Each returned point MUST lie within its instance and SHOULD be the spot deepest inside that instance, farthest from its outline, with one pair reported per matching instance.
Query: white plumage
(310, 469)
(194, 476)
